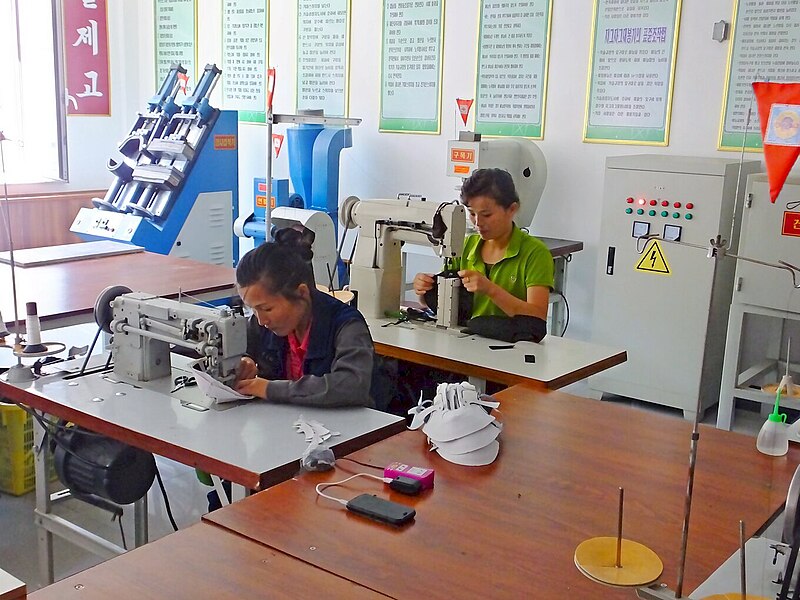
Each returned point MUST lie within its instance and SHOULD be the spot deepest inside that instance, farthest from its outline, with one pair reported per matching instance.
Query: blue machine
(314, 172)
(175, 191)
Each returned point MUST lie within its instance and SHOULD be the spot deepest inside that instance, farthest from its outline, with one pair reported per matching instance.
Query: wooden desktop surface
(510, 529)
(202, 561)
(69, 290)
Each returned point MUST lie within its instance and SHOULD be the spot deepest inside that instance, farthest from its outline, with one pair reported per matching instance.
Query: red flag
(463, 108)
(779, 113)
(183, 81)
(270, 86)
(277, 143)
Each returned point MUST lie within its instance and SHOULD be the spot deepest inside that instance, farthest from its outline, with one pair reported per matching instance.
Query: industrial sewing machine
(376, 271)
(522, 158)
(175, 191)
(144, 326)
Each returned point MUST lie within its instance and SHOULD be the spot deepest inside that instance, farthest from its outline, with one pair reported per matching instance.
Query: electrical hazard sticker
(653, 260)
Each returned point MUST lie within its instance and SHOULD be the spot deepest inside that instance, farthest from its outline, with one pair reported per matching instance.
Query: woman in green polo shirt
(509, 271)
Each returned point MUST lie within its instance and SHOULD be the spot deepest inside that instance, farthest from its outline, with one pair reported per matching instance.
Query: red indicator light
(629, 200)
(689, 205)
(677, 205)
(664, 203)
(642, 201)
(653, 202)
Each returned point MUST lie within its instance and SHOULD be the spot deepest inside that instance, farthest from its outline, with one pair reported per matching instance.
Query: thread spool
(33, 330)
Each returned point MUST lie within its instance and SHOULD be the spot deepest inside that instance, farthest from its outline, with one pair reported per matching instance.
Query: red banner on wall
(86, 57)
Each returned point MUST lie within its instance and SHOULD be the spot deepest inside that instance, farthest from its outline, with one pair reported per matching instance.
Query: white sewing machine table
(556, 361)
(250, 443)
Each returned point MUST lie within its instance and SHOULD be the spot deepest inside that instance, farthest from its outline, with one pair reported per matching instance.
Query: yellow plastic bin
(17, 471)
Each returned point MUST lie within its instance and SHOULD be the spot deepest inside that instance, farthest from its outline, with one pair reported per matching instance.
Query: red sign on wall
(86, 57)
(791, 224)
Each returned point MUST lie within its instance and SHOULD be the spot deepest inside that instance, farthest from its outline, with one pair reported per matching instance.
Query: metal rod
(91, 349)
(687, 509)
(618, 564)
(13, 264)
(793, 270)
(739, 175)
(742, 563)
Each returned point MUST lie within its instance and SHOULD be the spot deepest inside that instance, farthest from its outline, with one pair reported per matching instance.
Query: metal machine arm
(144, 327)
(385, 224)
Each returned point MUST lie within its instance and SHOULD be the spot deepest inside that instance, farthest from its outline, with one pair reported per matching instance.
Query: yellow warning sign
(653, 260)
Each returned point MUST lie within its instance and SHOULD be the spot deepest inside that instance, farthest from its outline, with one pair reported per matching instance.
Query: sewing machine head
(376, 271)
(144, 326)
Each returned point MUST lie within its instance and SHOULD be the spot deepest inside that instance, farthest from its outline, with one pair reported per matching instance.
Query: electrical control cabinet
(770, 232)
(658, 304)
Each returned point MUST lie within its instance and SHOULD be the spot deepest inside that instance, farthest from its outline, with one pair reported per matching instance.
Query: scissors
(183, 381)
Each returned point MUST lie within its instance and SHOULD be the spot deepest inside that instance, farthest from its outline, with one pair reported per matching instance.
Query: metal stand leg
(223, 497)
(45, 538)
(730, 369)
(141, 532)
(238, 492)
(556, 320)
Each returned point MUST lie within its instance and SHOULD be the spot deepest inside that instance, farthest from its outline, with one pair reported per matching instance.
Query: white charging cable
(321, 486)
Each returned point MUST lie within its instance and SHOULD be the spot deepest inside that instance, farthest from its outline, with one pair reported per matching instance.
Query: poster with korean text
(323, 56)
(765, 47)
(175, 36)
(245, 39)
(631, 71)
(513, 51)
(411, 66)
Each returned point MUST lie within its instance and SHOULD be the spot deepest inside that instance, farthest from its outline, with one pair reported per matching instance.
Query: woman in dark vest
(304, 346)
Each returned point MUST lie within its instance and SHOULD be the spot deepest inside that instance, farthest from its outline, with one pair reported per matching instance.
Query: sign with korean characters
(175, 27)
(86, 57)
(631, 71)
(513, 50)
(323, 47)
(411, 65)
(245, 35)
(766, 38)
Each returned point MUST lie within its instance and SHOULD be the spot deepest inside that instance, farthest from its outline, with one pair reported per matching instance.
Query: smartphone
(382, 510)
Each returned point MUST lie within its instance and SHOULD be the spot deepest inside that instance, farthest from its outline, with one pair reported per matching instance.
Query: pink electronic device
(421, 474)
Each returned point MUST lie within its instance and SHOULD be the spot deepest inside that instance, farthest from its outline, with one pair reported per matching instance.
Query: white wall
(382, 164)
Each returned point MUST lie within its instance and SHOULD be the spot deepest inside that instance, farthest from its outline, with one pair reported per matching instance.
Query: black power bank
(382, 510)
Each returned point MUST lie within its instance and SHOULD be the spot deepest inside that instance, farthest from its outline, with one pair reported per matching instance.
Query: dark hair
(497, 184)
(279, 266)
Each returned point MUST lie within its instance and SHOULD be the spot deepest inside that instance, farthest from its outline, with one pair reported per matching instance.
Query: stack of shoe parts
(458, 425)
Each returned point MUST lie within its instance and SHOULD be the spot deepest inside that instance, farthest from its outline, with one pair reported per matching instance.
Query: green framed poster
(631, 72)
(245, 43)
(176, 39)
(323, 56)
(513, 54)
(764, 47)
(411, 66)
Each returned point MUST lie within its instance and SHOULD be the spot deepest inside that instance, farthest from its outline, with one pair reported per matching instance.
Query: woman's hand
(256, 386)
(473, 281)
(247, 369)
(422, 283)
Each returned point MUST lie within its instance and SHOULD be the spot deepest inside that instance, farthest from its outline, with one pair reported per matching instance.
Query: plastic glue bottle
(773, 439)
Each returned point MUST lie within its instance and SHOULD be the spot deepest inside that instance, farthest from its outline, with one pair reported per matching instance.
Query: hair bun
(300, 240)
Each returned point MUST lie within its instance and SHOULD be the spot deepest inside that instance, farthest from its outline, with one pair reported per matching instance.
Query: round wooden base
(596, 558)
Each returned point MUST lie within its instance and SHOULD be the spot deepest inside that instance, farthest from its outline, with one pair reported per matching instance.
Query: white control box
(658, 304)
